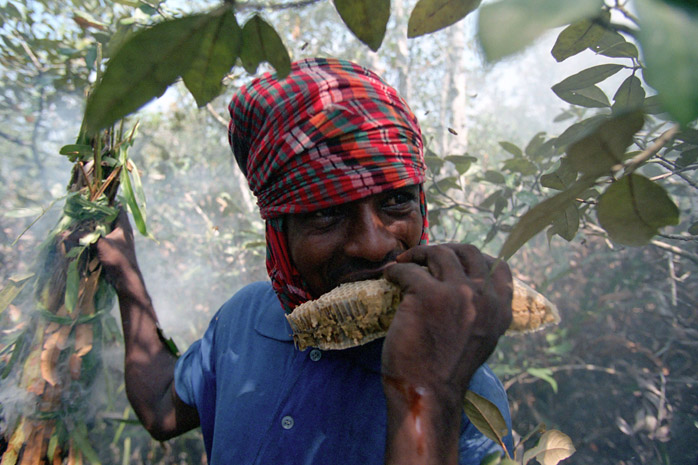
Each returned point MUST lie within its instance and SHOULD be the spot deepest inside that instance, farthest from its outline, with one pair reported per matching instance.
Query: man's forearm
(423, 425)
(149, 365)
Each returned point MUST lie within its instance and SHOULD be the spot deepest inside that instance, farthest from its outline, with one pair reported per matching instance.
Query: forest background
(618, 375)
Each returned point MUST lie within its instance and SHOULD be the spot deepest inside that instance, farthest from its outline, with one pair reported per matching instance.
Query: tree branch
(274, 6)
(582, 366)
(10, 138)
(216, 115)
(675, 250)
(637, 161)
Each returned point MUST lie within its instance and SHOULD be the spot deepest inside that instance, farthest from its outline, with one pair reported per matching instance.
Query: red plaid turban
(330, 132)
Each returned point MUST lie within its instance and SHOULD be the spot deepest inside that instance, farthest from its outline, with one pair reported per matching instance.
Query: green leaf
(143, 67)
(492, 198)
(546, 374)
(366, 19)
(432, 15)
(537, 147)
(495, 458)
(495, 177)
(508, 26)
(511, 148)
(597, 153)
(527, 197)
(586, 78)
(687, 157)
(693, 229)
(579, 130)
(76, 152)
(553, 447)
(81, 209)
(260, 42)
(133, 194)
(634, 208)
(520, 165)
(566, 224)
(81, 440)
(577, 37)
(539, 217)
(51, 449)
(669, 39)
(589, 97)
(461, 162)
(688, 135)
(612, 44)
(433, 162)
(72, 284)
(17, 346)
(446, 184)
(12, 289)
(485, 416)
(652, 105)
(219, 47)
(561, 178)
(630, 95)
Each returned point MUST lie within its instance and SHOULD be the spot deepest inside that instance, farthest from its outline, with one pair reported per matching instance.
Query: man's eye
(326, 213)
(399, 199)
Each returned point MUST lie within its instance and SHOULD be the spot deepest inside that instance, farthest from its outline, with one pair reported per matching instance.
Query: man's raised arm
(149, 364)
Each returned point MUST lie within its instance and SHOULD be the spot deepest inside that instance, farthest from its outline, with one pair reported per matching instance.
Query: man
(335, 159)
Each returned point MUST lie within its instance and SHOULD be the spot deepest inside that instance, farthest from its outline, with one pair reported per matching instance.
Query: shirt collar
(271, 322)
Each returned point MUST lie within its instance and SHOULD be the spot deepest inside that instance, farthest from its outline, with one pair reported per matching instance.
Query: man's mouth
(364, 274)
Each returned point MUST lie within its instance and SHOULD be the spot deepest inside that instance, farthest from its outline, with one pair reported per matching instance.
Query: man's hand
(117, 253)
(450, 319)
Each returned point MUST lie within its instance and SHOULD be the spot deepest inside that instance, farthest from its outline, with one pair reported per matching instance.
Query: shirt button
(315, 355)
(287, 422)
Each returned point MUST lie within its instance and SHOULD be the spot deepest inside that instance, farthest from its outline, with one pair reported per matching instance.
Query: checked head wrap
(328, 133)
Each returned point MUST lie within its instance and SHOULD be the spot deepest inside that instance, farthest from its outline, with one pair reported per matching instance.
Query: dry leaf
(53, 345)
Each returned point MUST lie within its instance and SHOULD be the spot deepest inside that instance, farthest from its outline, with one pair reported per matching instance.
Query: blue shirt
(262, 401)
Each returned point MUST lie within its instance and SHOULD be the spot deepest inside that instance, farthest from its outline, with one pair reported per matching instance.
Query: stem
(106, 183)
(98, 144)
(274, 6)
(675, 250)
(639, 159)
(87, 179)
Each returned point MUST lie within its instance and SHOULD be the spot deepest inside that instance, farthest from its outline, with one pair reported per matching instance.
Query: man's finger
(441, 261)
(406, 274)
(473, 262)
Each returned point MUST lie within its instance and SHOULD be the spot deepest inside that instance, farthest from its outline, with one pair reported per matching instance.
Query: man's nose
(368, 235)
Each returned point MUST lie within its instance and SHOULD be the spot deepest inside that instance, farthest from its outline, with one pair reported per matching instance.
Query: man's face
(354, 240)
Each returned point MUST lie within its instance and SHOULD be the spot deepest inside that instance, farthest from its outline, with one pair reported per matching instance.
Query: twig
(106, 183)
(17, 141)
(637, 161)
(215, 115)
(33, 57)
(677, 237)
(626, 13)
(583, 366)
(43, 212)
(274, 6)
(675, 250)
(672, 166)
(87, 179)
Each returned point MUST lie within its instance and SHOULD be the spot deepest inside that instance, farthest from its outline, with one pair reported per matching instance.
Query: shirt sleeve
(195, 370)
(474, 445)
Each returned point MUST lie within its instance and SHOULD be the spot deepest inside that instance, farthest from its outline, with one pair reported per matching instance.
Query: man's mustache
(359, 269)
